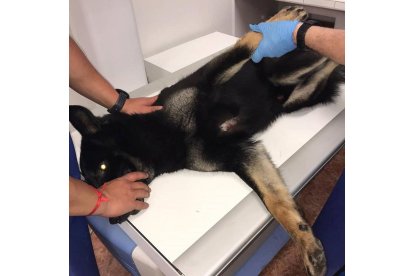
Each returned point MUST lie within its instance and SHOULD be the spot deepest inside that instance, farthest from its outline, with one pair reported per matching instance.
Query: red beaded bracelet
(101, 198)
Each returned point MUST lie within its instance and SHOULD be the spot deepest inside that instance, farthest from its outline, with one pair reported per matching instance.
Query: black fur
(189, 131)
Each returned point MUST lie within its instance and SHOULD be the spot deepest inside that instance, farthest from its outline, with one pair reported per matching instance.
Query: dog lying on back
(208, 123)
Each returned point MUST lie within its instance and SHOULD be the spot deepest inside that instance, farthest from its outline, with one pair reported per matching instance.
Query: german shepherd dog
(208, 123)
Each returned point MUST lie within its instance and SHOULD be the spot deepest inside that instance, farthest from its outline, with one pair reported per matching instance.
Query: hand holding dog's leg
(260, 173)
(252, 39)
(122, 194)
(277, 39)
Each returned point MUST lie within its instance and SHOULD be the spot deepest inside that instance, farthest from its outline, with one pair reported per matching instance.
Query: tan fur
(230, 72)
(196, 160)
(303, 92)
(294, 77)
(180, 107)
(250, 40)
(274, 192)
(281, 205)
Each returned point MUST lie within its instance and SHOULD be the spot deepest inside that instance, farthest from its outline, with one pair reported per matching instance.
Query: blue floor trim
(265, 253)
(118, 243)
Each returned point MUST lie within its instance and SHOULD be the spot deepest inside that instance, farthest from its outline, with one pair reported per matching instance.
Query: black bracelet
(300, 35)
(123, 96)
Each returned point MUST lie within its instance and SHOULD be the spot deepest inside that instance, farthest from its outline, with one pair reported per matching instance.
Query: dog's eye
(103, 167)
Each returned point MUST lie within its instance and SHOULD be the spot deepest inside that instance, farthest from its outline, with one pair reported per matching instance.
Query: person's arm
(279, 38)
(87, 81)
(326, 41)
(122, 194)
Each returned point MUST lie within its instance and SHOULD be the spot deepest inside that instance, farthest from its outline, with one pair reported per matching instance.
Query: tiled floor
(107, 264)
(288, 261)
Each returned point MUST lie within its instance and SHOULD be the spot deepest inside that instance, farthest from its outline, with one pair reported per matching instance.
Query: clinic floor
(288, 261)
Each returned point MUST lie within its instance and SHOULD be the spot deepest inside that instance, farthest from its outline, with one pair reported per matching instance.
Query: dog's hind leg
(259, 172)
(251, 39)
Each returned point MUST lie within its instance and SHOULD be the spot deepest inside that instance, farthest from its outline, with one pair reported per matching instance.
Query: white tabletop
(185, 54)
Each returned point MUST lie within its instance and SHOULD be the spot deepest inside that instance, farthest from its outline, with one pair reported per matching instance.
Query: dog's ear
(83, 120)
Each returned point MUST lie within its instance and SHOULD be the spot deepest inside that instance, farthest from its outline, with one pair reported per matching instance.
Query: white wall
(163, 24)
(106, 32)
(252, 12)
(116, 34)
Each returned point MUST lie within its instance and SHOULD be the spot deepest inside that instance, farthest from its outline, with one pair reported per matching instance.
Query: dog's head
(103, 154)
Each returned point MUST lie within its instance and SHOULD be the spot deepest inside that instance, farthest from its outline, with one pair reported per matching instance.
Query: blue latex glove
(277, 39)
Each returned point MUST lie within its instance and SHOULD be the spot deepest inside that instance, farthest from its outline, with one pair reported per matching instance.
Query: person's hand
(140, 105)
(122, 194)
(277, 39)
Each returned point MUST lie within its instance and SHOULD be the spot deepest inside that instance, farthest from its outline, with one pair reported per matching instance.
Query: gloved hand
(277, 39)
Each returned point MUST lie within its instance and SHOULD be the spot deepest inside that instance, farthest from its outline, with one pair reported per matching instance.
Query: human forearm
(279, 38)
(82, 198)
(326, 41)
(84, 79)
(122, 194)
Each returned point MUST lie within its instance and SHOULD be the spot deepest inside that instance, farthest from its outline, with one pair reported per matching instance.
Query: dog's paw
(290, 13)
(314, 258)
(121, 219)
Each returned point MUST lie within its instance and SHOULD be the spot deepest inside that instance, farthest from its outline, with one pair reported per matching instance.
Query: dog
(208, 124)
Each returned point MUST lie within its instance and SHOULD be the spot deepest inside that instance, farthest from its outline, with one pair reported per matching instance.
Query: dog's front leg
(258, 171)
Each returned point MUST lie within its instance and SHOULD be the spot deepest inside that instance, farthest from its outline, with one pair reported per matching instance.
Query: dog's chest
(179, 108)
